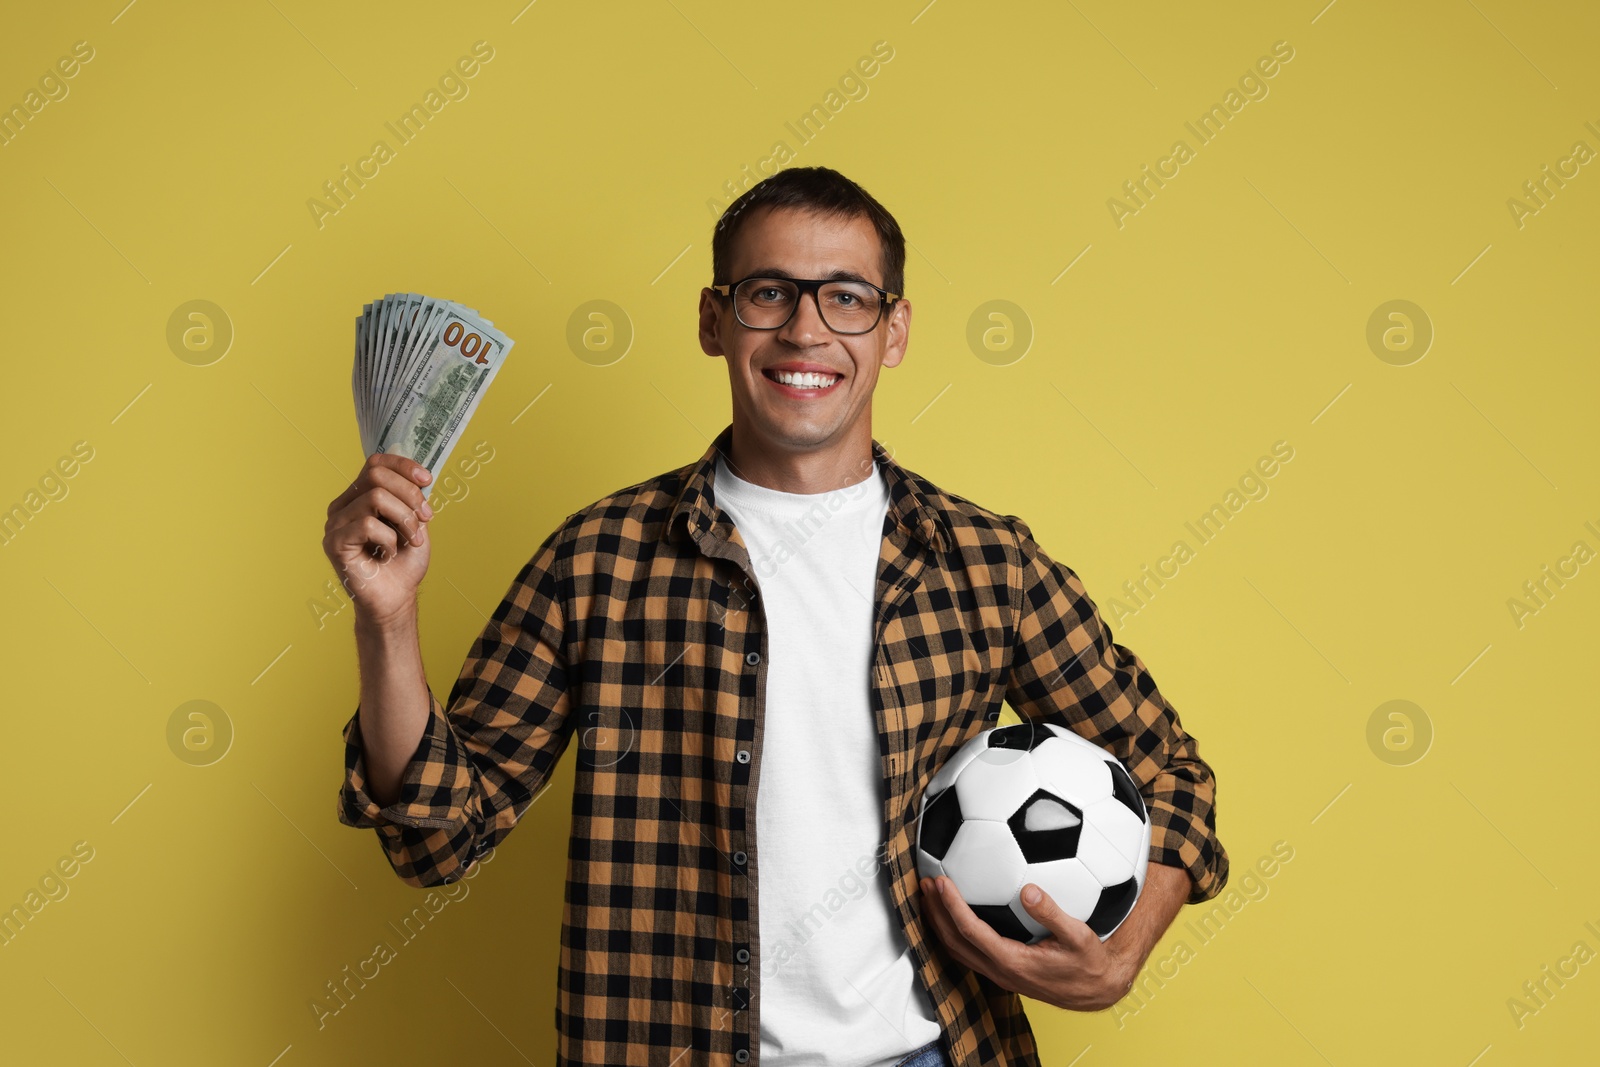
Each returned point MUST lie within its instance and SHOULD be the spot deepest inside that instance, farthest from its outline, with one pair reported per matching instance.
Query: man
(765, 655)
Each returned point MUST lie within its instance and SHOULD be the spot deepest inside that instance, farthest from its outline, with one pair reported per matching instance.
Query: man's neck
(820, 470)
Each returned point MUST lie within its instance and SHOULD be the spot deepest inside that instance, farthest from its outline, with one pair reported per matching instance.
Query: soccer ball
(1036, 803)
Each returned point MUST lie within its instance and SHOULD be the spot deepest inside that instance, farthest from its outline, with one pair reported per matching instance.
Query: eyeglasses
(845, 306)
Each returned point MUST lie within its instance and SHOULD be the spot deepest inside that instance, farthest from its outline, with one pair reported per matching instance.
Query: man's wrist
(390, 629)
(1165, 891)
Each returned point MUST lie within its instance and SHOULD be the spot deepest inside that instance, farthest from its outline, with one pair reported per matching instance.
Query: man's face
(803, 244)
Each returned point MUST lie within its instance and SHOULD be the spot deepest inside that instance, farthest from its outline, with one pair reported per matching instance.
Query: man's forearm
(394, 702)
(1165, 891)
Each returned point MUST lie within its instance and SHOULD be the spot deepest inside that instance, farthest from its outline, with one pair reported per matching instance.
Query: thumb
(1048, 914)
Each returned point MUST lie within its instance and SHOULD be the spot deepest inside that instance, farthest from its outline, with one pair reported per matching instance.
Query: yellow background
(1229, 313)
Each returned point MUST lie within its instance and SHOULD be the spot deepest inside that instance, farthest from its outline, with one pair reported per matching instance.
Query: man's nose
(805, 326)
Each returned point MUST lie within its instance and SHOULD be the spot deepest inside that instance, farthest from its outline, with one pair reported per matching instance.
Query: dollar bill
(422, 367)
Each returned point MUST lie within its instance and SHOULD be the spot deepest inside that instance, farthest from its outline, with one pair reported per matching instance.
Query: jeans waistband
(929, 1055)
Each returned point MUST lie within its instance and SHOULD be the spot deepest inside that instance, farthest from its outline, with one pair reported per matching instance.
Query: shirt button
(743, 955)
(752, 658)
(741, 1056)
(743, 755)
(739, 858)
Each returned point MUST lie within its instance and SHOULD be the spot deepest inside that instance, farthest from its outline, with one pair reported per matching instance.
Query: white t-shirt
(838, 981)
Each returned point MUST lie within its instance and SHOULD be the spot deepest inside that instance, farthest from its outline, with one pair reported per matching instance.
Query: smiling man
(764, 656)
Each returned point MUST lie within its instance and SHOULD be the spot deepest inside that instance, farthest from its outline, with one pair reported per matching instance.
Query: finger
(375, 537)
(405, 472)
(376, 504)
(408, 468)
(939, 917)
(955, 934)
(984, 940)
(1073, 933)
(402, 487)
(384, 504)
(379, 477)
(933, 908)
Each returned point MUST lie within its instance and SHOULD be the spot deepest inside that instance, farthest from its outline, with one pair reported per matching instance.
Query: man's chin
(794, 434)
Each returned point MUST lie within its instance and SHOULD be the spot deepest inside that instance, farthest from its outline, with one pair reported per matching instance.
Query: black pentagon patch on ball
(1123, 789)
(1114, 904)
(1023, 736)
(1054, 829)
(940, 821)
(1003, 919)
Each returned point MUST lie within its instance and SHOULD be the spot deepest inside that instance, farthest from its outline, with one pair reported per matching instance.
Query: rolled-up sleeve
(480, 763)
(1066, 669)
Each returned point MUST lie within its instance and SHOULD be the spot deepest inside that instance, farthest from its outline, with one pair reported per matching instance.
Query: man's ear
(711, 311)
(899, 333)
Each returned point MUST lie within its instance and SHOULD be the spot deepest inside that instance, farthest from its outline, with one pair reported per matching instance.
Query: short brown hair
(818, 189)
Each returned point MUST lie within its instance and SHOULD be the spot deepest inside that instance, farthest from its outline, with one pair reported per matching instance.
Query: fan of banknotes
(421, 367)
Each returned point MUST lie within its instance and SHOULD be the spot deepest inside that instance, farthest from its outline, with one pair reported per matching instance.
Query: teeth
(804, 381)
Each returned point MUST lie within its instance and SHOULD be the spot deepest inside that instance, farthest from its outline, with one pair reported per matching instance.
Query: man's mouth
(807, 380)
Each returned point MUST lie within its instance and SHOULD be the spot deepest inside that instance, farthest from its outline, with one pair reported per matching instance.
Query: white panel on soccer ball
(1074, 769)
(1069, 884)
(1143, 858)
(927, 866)
(957, 763)
(1111, 819)
(994, 785)
(985, 863)
(1104, 859)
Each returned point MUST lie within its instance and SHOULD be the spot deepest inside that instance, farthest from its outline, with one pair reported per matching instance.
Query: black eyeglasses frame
(812, 286)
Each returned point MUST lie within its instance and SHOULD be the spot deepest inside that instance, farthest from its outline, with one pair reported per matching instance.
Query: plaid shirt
(636, 629)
